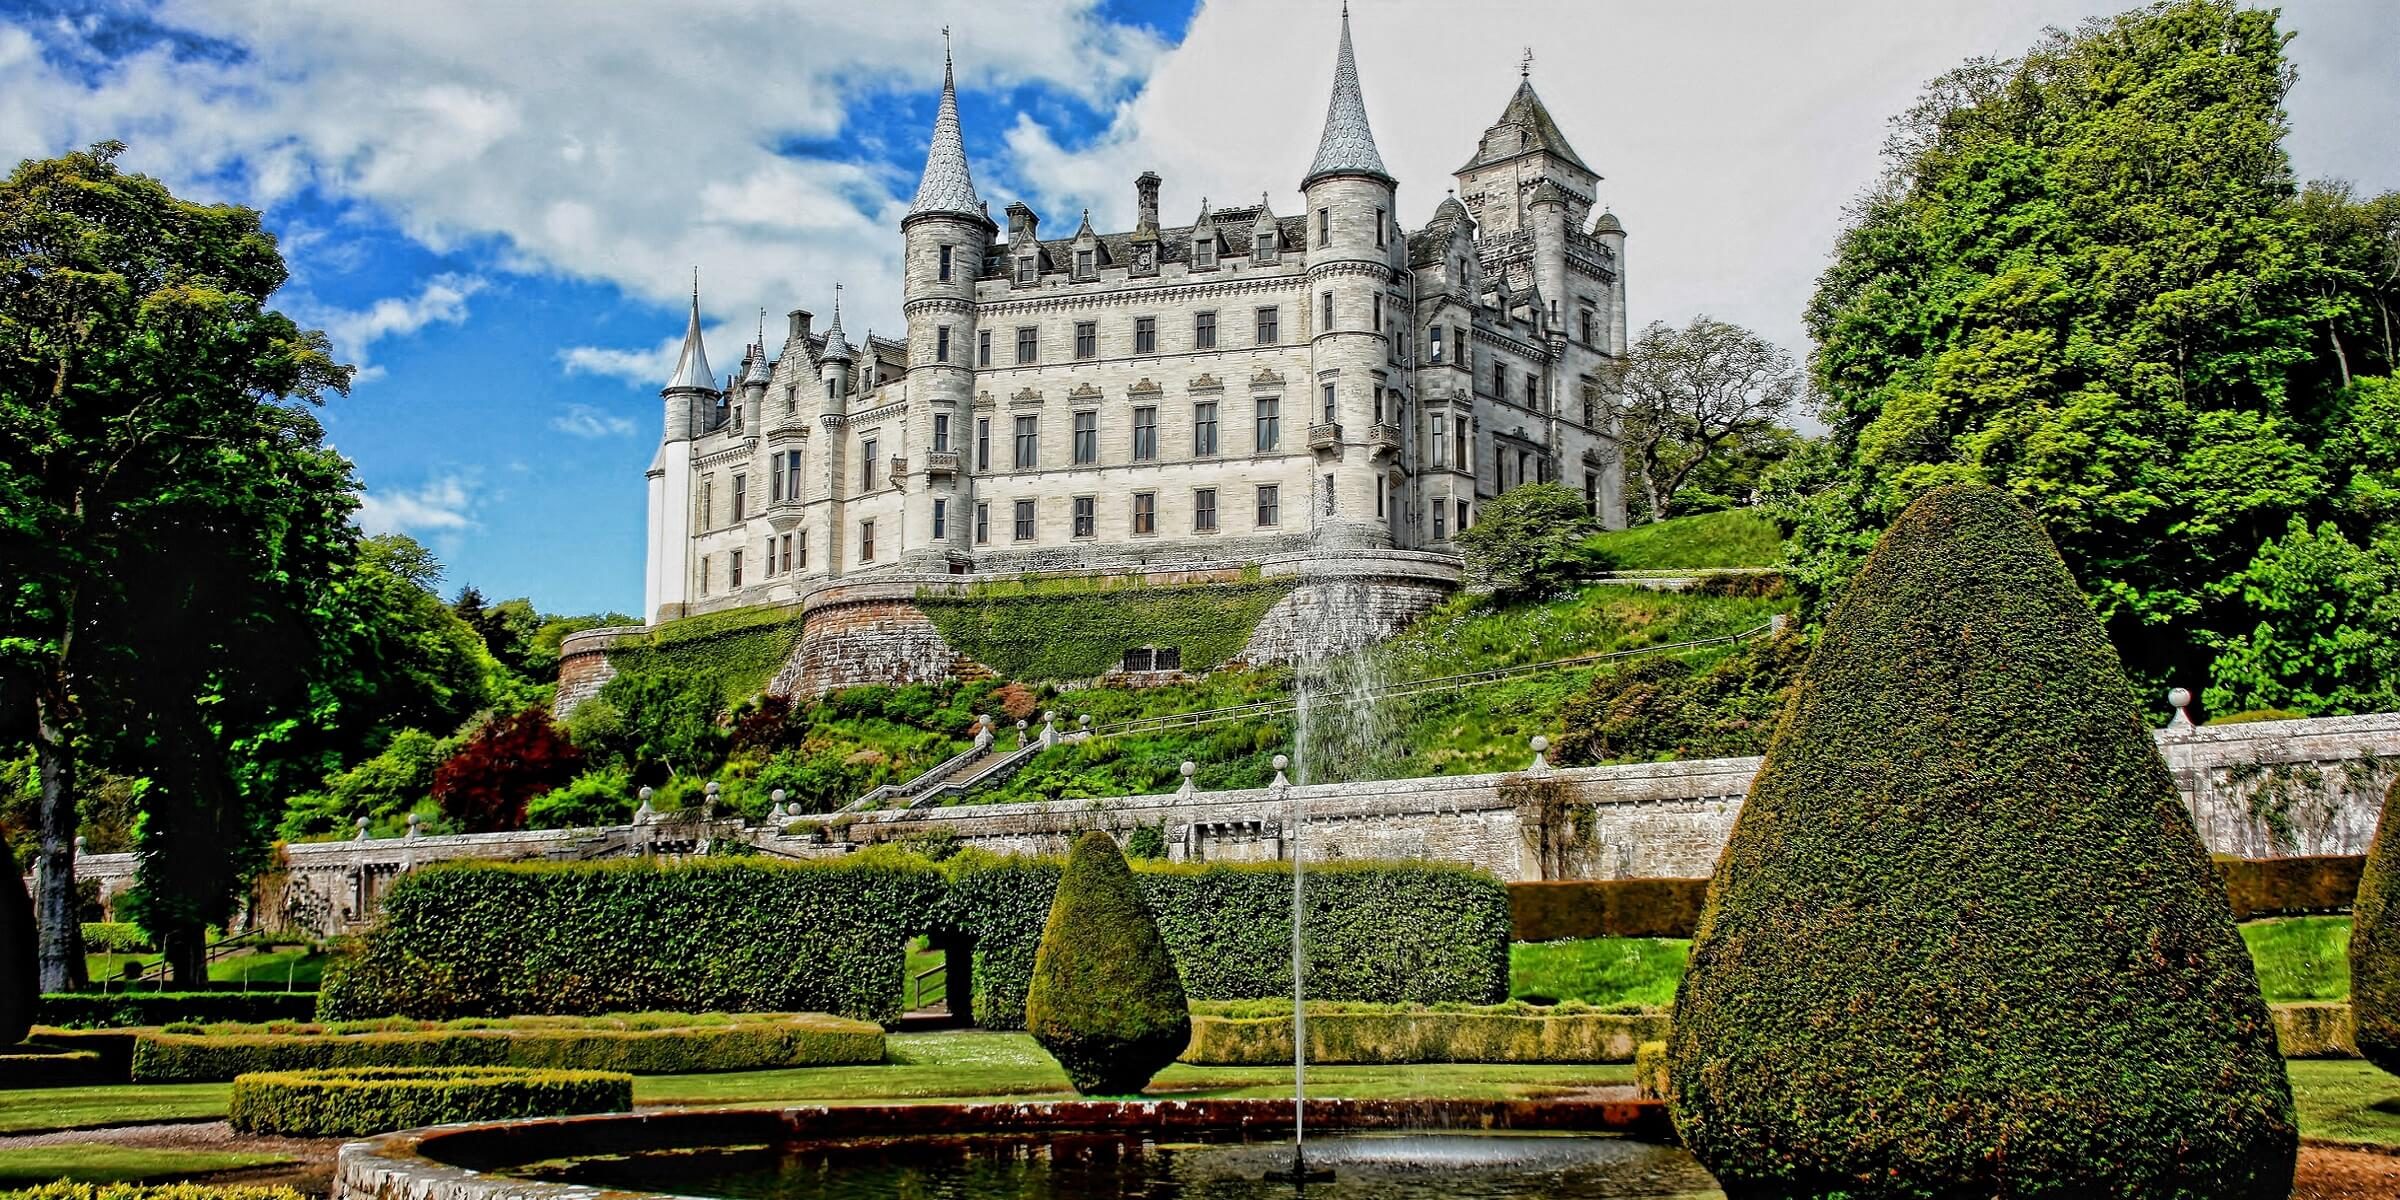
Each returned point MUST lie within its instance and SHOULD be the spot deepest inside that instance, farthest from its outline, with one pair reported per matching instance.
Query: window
(1270, 504)
(1379, 487)
(945, 269)
(1441, 441)
(1028, 344)
(1458, 341)
(802, 560)
(791, 398)
(983, 524)
(1329, 495)
(775, 480)
(1324, 226)
(1466, 461)
(1204, 510)
(1086, 520)
(1591, 328)
(1379, 233)
(1145, 335)
(1329, 404)
(1533, 390)
(983, 443)
(1204, 331)
(941, 344)
(1087, 339)
(1591, 491)
(787, 553)
(831, 383)
(1204, 253)
(941, 431)
(1204, 429)
(741, 496)
(1268, 320)
(1433, 339)
(866, 541)
(1029, 442)
(1270, 423)
(737, 418)
(1325, 321)
(1379, 404)
(1024, 529)
(1463, 512)
(1524, 460)
(1087, 438)
(1145, 512)
(1264, 250)
(983, 347)
(1083, 264)
(866, 465)
(736, 567)
(708, 503)
(1441, 520)
(941, 518)
(703, 574)
(1145, 433)
(1378, 311)
(791, 475)
(1025, 269)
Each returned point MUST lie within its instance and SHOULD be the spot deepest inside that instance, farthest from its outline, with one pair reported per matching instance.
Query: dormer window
(1204, 252)
(1025, 268)
(1083, 264)
(1265, 251)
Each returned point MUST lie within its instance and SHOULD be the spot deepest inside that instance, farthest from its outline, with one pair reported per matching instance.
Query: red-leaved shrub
(509, 761)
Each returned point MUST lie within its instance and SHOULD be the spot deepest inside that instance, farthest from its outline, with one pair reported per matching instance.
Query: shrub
(115, 937)
(2375, 943)
(2314, 1030)
(20, 975)
(1505, 1034)
(485, 785)
(46, 1066)
(124, 1010)
(369, 1100)
(1965, 940)
(652, 1044)
(594, 798)
(1529, 541)
(2280, 887)
(1588, 908)
(63, 1190)
(1106, 1002)
(1650, 1071)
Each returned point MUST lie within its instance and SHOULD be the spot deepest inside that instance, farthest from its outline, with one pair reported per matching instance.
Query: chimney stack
(1145, 199)
(799, 318)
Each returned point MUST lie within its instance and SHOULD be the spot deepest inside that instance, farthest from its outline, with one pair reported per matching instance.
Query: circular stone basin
(1078, 1150)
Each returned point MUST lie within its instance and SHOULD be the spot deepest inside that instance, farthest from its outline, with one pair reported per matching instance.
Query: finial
(695, 283)
(945, 46)
(1525, 67)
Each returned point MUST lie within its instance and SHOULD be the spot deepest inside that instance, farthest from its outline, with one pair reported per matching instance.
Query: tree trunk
(2338, 355)
(55, 908)
(185, 950)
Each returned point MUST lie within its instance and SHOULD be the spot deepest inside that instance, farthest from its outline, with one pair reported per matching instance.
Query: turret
(833, 365)
(947, 232)
(1353, 253)
(690, 391)
(1610, 233)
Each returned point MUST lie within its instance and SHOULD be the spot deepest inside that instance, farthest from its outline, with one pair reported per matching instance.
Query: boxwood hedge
(642, 1044)
(126, 1010)
(734, 935)
(1965, 939)
(2375, 943)
(360, 1101)
(68, 1190)
(1345, 1034)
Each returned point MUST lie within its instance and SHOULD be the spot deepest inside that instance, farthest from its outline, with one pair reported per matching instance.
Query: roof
(1347, 146)
(1526, 111)
(1607, 222)
(1427, 246)
(836, 345)
(946, 187)
(691, 367)
(1174, 243)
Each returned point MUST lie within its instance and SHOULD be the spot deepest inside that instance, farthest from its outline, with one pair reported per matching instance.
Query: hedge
(1106, 1001)
(1020, 635)
(1592, 908)
(122, 1010)
(115, 937)
(38, 1066)
(152, 1191)
(1650, 1071)
(1416, 1034)
(2291, 887)
(2315, 1029)
(2375, 942)
(648, 1044)
(1965, 939)
(368, 1100)
(733, 935)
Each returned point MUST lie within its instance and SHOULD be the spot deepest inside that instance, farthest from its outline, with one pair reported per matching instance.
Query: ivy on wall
(1079, 629)
(740, 649)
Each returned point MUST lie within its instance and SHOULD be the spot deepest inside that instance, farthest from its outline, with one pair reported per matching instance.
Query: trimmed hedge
(152, 1191)
(115, 937)
(1650, 1071)
(126, 1010)
(2291, 887)
(2315, 1030)
(369, 1100)
(1105, 1000)
(648, 1044)
(1498, 1034)
(2375, 943)
(735, 935)
(1591, 908)
(1965, 939)
(38, 1066)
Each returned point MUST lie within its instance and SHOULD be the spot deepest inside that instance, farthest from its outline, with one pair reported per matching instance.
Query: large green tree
(2088, 278)
(171, 526)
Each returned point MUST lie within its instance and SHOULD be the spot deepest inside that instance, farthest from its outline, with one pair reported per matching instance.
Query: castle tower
(833, 374)
(690, 392)
(1354, 253)
(946, 234)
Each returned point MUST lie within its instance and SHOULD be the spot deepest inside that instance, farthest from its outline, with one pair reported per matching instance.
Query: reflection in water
(1077, 1166)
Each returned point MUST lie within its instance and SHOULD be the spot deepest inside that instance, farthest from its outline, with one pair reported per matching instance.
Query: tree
(2375, 943)
(141, 386)
(1528, 541)
(485, 786)
(20, 995)
(1965, 940)
(1692, 394)
(2325, 610)
(2084, 280)
(1105, 1000)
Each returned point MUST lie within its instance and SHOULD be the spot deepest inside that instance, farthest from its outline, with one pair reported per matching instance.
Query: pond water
(1107, 1166)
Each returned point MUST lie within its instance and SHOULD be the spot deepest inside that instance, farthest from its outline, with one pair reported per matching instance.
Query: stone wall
(1346, 602)
(583, 666)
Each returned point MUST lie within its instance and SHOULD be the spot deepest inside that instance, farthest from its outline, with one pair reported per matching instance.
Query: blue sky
(494, 209)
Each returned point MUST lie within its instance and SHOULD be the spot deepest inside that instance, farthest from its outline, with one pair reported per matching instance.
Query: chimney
(799, 318)
(1021, 221)
(1145, 200)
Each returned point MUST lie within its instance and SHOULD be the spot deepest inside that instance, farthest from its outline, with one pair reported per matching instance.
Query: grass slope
(104, 1162)
(1735, 538)
(2301, 958)
(1599, 971)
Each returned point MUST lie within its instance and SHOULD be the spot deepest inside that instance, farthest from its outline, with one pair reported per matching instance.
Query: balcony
(941, 462)
(1383, 438)
(1325, 437)
(899, 475)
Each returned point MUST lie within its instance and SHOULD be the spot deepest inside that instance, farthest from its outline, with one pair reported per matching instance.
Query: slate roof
(1526, 111)
(1347, 146)
(1174, 243)
(691, 367)
(946, 186)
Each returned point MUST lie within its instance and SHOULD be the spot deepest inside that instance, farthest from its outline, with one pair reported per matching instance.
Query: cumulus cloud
(442, 300)
(444, 505)
(585, 421)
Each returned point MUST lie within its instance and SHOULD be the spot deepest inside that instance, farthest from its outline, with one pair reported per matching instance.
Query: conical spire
(836, 346)
(1348, 146)
(946, 187)
(691, 370)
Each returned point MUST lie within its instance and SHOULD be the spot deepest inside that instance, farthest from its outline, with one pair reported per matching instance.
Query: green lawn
(2301, 958)
(101, 1162)
(2346, 1100)
(113, 1104)
(1600, 971)
(1737, 538)
(272, 970)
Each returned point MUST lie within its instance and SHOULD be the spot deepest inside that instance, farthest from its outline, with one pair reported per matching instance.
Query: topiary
(2375, 943)
(20, 989)
(1965, 940)
(1105, 1001)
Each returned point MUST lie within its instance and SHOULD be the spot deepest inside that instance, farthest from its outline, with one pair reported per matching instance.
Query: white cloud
(442, 300)
(585, 421)
(444, 505)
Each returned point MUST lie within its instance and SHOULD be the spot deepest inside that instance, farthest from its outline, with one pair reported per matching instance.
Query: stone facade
(1247, 385)
(2261, 790)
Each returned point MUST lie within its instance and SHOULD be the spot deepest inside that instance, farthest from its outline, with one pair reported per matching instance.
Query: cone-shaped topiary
(1106, 1002)
(1965, 940)
(2375, 943)
(20, 991)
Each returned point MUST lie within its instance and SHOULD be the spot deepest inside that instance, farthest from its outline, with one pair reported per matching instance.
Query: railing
(1383, 436)
(941, 462)
(899, 474)
(1324, 437)
(924, 779)
(934, 979)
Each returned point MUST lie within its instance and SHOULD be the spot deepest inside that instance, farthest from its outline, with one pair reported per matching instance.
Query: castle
(1251, 384)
